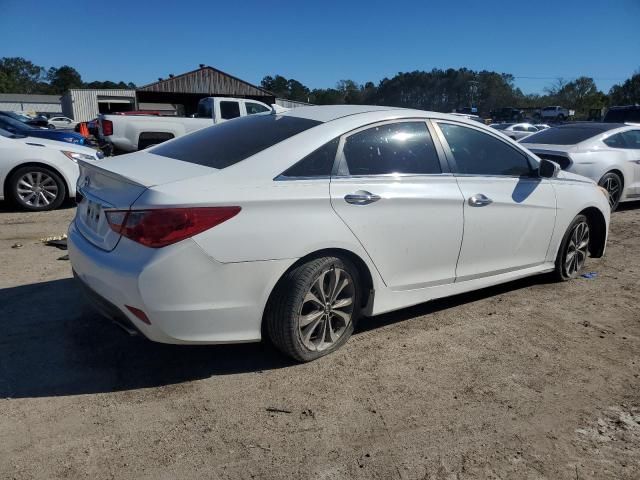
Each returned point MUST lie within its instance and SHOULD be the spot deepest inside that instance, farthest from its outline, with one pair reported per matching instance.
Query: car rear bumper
(187, 296)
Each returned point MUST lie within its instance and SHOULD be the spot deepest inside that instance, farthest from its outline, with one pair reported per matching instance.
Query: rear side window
(228, 143)
(632, 139)
(404, 147)
(478, 153)
(563, 136)
(229, 110)
(615, 141)
(318, 163)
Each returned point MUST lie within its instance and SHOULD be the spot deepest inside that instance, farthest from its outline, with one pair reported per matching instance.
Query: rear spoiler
(108, 173)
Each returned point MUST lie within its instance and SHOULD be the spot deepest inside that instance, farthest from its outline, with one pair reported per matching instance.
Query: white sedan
(62, 122)
(608, 153)
(299, 224)
(39, 174)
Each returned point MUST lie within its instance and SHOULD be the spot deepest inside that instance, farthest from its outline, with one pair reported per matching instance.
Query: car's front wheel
(313, 309)
(37, 188)
(574, 249)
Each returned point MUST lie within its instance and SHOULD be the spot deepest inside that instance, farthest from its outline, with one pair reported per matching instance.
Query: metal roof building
(22, 102)
(187, 89)
(83, 105)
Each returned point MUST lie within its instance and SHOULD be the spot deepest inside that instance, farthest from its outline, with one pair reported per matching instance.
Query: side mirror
(548, 169)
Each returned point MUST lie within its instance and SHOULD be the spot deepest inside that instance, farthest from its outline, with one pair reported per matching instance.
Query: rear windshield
(563, 136)
(223, 145)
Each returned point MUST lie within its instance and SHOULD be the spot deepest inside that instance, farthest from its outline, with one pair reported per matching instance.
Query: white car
(515, 131)
(39, 174)
(608, 153)
(62, 122)
(299, 224)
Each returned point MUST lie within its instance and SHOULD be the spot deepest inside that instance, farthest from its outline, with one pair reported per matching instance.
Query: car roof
(595, 126)
(326, 113)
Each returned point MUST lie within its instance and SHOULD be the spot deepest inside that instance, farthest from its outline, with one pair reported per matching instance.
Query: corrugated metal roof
(206, 81)
(29, 98)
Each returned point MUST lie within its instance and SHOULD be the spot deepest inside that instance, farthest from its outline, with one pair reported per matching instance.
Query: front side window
(318, 163)
(532, 129)
(478, 153)
(255, 108)
(229, 110)
(519, 128)
(404, 147)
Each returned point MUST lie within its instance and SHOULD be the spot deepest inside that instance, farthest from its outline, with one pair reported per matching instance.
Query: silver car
(515, 131)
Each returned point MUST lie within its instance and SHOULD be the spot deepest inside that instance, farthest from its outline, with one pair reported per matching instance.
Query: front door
(509, 211)
(394, 192)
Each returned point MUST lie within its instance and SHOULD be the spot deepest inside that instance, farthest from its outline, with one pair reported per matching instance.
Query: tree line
(18, 75)
(454, 89)
(437, 89)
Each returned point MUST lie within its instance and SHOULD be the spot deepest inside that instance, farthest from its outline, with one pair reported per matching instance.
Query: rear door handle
(361, 197)
(479, 200)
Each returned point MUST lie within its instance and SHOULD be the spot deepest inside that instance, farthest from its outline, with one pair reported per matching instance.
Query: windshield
(563, 136)
(11, 124)
(228, 143)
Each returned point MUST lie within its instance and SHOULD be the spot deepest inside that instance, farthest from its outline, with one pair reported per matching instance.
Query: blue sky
(319, 43)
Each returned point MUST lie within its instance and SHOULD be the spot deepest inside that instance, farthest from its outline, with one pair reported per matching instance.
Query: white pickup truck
(556, 113)
(128, 133)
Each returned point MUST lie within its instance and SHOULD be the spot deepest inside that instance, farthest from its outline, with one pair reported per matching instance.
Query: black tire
(16, 188)
(613, 184)
(565, 270)
(289, 301)
(50, 126)
(560, 118)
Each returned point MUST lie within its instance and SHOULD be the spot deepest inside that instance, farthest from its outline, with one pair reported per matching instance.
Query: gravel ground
(530, 380)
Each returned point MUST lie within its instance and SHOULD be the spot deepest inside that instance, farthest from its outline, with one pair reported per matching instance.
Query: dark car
(626, 114)
(39, 121)
(507, 114)
(18, 128)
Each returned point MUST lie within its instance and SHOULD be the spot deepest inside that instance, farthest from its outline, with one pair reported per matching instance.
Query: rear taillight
(161, 227)
(107, 127)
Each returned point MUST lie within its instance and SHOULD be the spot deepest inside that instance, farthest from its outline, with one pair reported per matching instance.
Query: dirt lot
(527, 381)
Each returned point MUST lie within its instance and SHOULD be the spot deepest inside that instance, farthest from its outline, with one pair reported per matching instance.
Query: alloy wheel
(327, 309)
(37, 189)
(577, 249)
(612, 186)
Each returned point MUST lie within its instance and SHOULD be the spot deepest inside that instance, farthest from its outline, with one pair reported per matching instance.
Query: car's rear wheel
(37, 188)
(573, 250)
(313, 309)
(612, 183)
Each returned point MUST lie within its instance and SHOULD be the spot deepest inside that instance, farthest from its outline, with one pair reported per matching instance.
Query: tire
(574, 249)
(51, 126)
(612, 183)
(560, 118)
(37, 189)
(299, 298)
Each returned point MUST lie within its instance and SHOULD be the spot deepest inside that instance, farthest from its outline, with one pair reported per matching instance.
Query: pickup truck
(556, 113)
(128, 133)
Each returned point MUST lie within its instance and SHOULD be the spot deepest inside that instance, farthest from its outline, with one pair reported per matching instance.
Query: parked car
(30, 121)
(625, 114)
(608, 153)
(19, 128)
(555, 113)
(62, 122)
(515, 131)
(507, 114)
(128, 133)
(301, 223)
(39, 174)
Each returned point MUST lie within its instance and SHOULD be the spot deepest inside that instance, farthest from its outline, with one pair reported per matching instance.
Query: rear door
(509, 211)
(394, 191)
(632, 147)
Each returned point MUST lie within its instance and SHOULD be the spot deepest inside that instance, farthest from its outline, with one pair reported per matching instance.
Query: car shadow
(7, 206)
(622, 207)
(54, 345)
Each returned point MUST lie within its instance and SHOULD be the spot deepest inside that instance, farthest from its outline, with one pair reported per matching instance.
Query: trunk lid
(116, 183)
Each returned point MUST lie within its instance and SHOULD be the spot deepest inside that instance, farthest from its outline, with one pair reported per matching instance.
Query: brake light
(161, 227)
(107, 127)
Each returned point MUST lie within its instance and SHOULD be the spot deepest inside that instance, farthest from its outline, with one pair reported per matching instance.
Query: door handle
(479, 200)
(361, 197)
